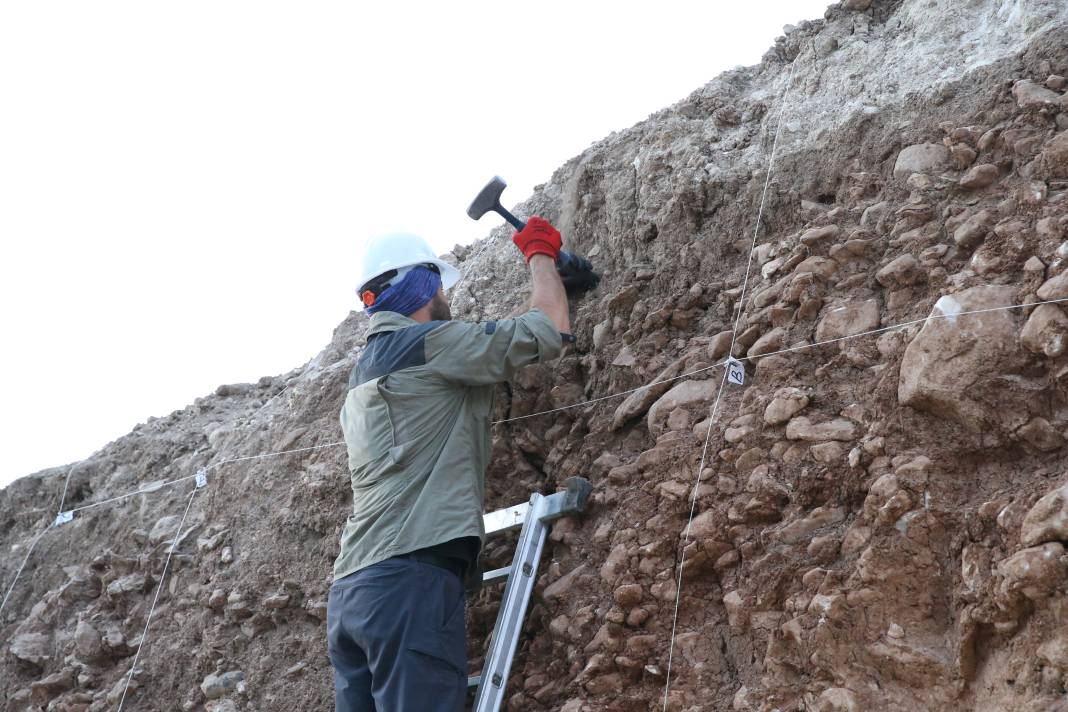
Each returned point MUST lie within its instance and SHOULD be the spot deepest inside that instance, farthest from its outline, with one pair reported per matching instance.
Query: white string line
(686, 540)
(23, 565)
(799, 347)
(162, 578)
(169, 483)
(723, 381)
(66, 483)
(760, 210)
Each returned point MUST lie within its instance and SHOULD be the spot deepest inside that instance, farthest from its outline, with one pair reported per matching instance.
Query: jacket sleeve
(481, 354)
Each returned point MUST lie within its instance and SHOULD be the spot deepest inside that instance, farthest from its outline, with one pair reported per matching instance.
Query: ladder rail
(514, 603)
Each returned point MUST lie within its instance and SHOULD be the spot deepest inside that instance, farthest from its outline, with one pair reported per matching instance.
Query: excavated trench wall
(879, 522)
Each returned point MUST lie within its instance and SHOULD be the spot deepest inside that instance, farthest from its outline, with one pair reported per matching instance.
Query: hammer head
(487, 199)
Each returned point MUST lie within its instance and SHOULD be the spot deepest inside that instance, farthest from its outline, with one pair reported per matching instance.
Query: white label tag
(202, 479)
(735, 372)
(64, 517)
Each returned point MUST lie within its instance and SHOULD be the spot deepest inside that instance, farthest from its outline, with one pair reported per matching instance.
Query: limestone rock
(972, 231)
(921, 158)
(801, 428)
(1055, 156)
(1046, 331)
(955, 367)
(1041, 435)
(848, 319)
(771, 341)
(683, 393)
(1047, 520)
(979, 176)
(1034, 572)
(1029, 95)
(87, 641)
(903, 271)
(165, 529)
(1054, 287)
(216, 686)
(787, 403)
(35, 648)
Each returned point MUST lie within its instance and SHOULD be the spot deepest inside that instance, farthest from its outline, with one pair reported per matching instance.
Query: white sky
(183, 186)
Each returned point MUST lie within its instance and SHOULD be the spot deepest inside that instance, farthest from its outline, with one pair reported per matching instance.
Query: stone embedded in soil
(682, 394)
(848, 319)
(955, 367)
(1029, 95)
(216, 686)
(1046, 331)
(921, 158)
(1035, 572)
(903, 271)
(787, 403)
(801, 428)
(34, 648)
(973, 230)
(979, 176)
(1047, 520)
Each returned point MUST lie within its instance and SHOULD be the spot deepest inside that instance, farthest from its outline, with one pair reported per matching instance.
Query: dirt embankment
(880, 520)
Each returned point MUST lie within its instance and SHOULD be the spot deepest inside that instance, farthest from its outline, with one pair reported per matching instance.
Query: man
(417, 424)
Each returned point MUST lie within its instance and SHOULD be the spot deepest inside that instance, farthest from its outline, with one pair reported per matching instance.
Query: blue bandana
(408, 295)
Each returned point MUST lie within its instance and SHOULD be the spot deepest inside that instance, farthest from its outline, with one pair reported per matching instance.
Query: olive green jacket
(417, 424)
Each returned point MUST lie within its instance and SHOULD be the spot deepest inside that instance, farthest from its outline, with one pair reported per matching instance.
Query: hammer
(576, 272)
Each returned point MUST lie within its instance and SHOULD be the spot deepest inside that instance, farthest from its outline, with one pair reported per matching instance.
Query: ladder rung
(496, 575)
(473, 680)
(505, 519)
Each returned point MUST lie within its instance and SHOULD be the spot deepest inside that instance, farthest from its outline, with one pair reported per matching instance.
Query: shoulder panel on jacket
(390, 351)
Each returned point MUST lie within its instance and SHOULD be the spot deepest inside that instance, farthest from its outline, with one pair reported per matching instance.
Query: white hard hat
(395, 251)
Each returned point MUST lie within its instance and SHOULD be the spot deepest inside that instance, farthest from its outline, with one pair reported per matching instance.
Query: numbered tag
(63, 518)
(202, 478)
(735, 372)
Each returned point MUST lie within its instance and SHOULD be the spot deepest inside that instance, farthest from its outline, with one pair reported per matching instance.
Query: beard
(439, 308)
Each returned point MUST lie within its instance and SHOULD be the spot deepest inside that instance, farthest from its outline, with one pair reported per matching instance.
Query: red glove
(539, 237)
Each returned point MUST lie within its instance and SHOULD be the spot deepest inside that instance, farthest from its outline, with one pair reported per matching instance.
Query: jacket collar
(389, 321)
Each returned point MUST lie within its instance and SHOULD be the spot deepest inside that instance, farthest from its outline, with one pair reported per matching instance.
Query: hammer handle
(516, 222)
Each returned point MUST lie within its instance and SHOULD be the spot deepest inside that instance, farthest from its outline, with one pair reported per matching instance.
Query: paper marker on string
(735, 371)
(202, 478)
(63, 518)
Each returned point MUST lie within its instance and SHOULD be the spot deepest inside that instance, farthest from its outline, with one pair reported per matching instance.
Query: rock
(640, 401)
(955, 367)
(901, 272)
(979, 176)
(624, 358)
(837, 699)
(921, 158)
(53, 685)
(1047, 520)
(1054, 287)
(856, 5)
(88, 643)
(973, 231)
(560, 586)
(771, 341)
(719, 345)
(683, 393)
(1055, 156)
(847, 319)
(1041, 435)
(34, 648)
(628, 595)
(216, 686)
(1046, 331)
(1029, 95)
(827, 233)
(221, 706)
(737, 611)
(787, 403)
(1034, 572)
(801, 428)
(166, 528)
(130, 583)
(277, 601)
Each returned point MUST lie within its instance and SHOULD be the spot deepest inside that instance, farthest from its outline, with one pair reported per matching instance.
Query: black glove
(576, 272)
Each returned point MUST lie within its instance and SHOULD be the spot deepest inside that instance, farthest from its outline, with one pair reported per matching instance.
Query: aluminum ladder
(534, 516)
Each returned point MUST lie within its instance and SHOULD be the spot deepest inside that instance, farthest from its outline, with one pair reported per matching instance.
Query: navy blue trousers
(397, 640)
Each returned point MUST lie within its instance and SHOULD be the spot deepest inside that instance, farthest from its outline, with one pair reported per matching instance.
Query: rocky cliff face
(880, 520)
